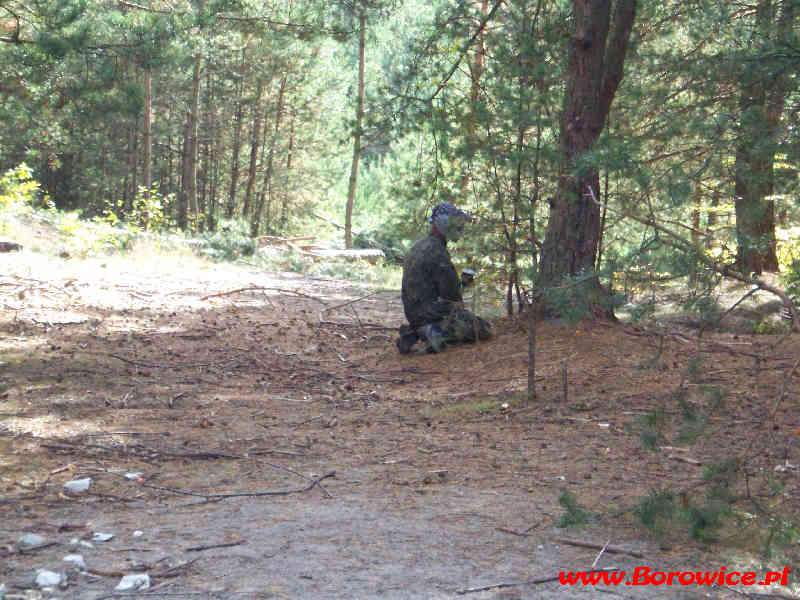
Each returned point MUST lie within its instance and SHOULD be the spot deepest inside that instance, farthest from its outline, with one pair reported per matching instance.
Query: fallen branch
(310, 486)
(528, 582)
(362, 325)
(594, 546)
(37, 548)
(524, 533)
(173, 571)
(686, 459)
(349, 302)
(232, 292)
(214, 546)
(597, 558)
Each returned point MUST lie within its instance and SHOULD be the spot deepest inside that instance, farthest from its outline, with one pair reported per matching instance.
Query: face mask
(455, 228)
(449, 220)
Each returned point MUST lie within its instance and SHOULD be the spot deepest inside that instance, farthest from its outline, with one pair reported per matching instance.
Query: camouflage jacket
(431, 286)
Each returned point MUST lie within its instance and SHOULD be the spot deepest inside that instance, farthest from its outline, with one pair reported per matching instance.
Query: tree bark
(288, 169)
(255, 142)
(596, 56)
(193, 145)
(696, 233)
(133, 162)
(265, 197)
(187, 212)
(237, 142)
(351, 189)
(148, 138)
(476, 67)
(761, 105)
(183, 200)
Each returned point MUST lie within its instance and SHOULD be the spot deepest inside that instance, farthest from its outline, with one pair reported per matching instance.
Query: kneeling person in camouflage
(432, 298)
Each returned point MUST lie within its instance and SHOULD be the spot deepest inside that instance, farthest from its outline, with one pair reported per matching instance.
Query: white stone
(76, 560)
(101, 537)
(31, 540)
(46, 579)
(78, 485)
(138, 581)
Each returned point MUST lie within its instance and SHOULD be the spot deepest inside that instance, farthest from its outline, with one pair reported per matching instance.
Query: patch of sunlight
(45, 426)
(18, 344)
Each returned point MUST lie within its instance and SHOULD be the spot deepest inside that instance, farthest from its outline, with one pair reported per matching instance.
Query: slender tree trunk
(351, 190)
(237, 141)
(170, 162)
(214, 143)
(133, 183)
(289, 155)
(183, 202)
(265, 198)
(211, 215)
(148, 138)
(477, 67)
(594, 73)
(205, 142)
(255, 142)
(531, 316)
(193, 145)
(696, 233)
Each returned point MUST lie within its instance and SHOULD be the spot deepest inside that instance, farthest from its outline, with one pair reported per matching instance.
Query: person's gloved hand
(467, 277)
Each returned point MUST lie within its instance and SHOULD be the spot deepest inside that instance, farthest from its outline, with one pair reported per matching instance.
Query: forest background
(643, 146)
(592, 140)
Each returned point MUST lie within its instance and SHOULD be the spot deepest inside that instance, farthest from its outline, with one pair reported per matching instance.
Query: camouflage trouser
(460, 325)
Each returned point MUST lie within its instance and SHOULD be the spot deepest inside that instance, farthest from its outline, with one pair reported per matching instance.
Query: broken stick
(594, 546)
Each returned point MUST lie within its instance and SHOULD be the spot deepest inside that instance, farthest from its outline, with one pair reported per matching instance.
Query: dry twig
(310, 486)
(214, 546)
(595, 546)
(528, 582)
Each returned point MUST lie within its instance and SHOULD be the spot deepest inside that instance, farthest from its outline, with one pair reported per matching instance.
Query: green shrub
(385, 238)
(574, 515)
(18, 192)
(81, 238)
(229, 242)
(657, 511)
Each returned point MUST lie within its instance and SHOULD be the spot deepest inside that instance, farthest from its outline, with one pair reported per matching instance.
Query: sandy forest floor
(365, 474)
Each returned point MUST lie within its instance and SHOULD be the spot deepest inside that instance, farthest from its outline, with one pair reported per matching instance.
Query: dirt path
(224, 380)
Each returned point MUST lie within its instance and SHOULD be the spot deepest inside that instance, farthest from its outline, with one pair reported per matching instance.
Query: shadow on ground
(226, 381)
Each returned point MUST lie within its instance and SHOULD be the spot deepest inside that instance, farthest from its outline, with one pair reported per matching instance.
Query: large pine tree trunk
(594, 73)
(755, 211)
(761, 105)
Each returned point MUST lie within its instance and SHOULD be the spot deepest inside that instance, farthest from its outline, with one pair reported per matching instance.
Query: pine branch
(466, 48)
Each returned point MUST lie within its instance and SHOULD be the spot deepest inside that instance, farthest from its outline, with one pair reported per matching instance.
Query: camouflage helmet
(449, 220)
